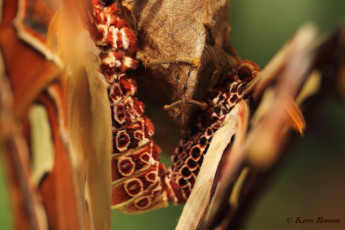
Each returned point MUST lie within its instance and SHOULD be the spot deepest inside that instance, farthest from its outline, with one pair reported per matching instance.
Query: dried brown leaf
(176, 29)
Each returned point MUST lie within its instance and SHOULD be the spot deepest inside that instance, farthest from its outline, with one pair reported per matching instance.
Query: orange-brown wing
(45, 188)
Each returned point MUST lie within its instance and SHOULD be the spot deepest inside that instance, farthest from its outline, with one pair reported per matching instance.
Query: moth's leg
(147, 61)
(202, 105)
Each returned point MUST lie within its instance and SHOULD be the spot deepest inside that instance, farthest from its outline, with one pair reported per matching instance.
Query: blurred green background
(310, 182)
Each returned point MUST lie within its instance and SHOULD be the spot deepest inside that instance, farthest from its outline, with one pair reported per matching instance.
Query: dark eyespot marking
(233, 98)
(203, 141)
(182, 182)
(192, 164)
(185, 172)
(195, 152)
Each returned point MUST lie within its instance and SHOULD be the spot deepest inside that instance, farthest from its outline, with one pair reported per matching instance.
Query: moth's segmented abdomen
(136, 171)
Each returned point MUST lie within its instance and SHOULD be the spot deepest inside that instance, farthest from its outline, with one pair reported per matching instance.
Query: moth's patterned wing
(35, 71)
(62, 177)
(39, 185)
(32, 22)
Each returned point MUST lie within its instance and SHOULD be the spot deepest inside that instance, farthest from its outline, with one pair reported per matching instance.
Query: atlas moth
(139, 180)
(126, 162)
